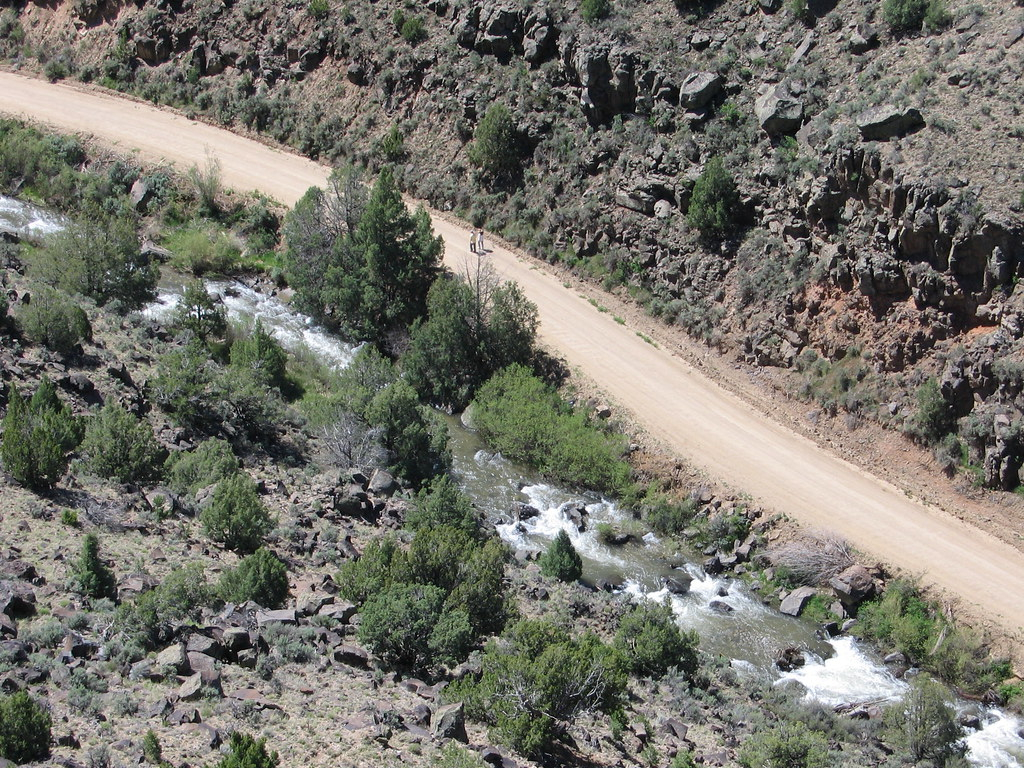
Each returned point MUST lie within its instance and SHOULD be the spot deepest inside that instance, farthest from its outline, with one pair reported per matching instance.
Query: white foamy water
(850, 675)
(554, 503)
(998, 743)
(28, 221)
(243, 304)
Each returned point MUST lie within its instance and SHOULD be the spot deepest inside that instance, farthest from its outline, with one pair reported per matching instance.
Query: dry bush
(813, 558)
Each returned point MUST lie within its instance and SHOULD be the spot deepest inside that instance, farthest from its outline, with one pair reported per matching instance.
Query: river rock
(382, 483)
(523, 511)
(576, 514)
(352, 655)
(790, 659)
(853, 586)
(340, 610)
(718, 606)
(679, 585)
(713, 566)
(17, 600)
(677, 728)
(795, 601)
(236, 639)
(887, 122)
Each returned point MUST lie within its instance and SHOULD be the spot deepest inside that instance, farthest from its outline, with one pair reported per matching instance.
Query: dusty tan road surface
(710, 427)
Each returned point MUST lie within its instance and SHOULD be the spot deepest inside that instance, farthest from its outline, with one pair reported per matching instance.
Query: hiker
(472, 241)
(480, 240)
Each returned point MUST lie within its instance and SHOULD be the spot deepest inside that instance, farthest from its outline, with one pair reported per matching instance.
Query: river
(27, 222)
(838, 671)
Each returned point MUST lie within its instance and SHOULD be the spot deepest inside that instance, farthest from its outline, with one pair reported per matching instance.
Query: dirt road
(712, 428)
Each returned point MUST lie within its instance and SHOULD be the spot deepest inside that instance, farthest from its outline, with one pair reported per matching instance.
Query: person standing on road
(480, 240)
(472, 241)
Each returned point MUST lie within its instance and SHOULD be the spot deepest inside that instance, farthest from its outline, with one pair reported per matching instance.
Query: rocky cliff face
(880, 193)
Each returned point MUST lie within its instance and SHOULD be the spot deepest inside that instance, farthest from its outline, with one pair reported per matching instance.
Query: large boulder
(887, 122)
(795, 601)
(698, 89)
(174, 658)
(449, 722)
(853, 586)
(607, 77)
(500, 30)
(778, 110)
(540, 36)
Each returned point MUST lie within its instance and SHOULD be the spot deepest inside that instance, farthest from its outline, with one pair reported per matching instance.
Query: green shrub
(413, 30)
(934, 417)
(154, 616)
(236, 517)
(119, 446)
(184, 386)
(210, 462)
(358, 580)
(200, 313)
(714, 204)
(151, 749)
(520, 416)
(261, 356)
(474, 328)
(595, 10)
(362, 265)
(667, 516)
(787, 745)
(901, 618)
(651, 641)
(415, 438)
(207, 186)
(24, 729)
(98, 256)
(722, 531)
(37, 437)
(442, 502)
(204, 251)
(259, 577)
(391, 146)
(903, 16)
(495, 148)
(398, 624)
(925, 724)
(937, 17)
(69, 517)
(536, 680)
(92, 576)
(318, 9)
(55, 321)
(247, 752)
(562, 561)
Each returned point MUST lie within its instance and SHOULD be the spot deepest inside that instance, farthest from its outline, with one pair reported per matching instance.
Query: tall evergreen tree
(402, 258)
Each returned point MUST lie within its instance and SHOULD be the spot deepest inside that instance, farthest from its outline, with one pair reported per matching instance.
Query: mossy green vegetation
(904, 620)
(526, 420)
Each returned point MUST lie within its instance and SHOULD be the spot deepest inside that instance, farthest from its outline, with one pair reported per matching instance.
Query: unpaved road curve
(691, 415)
